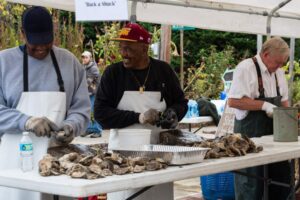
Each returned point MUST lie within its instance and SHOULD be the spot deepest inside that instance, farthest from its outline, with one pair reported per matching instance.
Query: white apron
(140, 102)
(48, 104)
(38, 104)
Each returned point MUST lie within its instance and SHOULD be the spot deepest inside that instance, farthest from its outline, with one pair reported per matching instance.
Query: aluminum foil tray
(173, 155)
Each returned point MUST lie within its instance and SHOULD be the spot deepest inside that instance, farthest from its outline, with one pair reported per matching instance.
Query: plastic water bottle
(188, 113)
(195, 109)
(193, 105)
(223, 95)
(26, 152)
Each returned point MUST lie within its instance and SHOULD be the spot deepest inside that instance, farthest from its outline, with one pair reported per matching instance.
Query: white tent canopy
(245, 16)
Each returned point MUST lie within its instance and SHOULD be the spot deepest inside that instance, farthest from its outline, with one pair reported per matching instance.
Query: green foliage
(10, 20)
(245, 44)
(68, 34)
(206, 79)
(105, 48)
(295, 85)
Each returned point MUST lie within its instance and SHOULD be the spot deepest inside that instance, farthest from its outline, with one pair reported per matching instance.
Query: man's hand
(41, 126)
(65, 135)
(169, 119)
(151, 116)
(268, 108)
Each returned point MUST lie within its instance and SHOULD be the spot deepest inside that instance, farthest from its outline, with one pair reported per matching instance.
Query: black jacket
(116, 79)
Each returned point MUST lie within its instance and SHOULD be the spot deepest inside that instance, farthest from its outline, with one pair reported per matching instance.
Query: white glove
(268, 107)
(151, 116)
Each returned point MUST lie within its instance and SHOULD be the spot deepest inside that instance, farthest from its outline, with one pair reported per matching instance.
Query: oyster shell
(49, 165)
(80, 161)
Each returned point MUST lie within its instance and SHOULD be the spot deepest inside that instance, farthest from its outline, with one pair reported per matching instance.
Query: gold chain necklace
(142, 87)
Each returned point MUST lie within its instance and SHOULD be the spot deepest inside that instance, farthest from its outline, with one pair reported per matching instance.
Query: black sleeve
(172, 91)
(110, 92)
(177, 100)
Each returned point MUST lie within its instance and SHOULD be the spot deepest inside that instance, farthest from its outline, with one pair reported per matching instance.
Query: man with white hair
(258, 86)
(93, 77)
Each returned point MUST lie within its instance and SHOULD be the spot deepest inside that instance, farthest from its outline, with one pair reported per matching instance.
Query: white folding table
(66, 186)
(196, 120)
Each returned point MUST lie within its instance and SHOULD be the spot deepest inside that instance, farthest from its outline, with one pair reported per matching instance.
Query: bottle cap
(25, 133)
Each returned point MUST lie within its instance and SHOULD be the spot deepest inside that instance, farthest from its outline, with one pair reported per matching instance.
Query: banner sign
(185, 28)
(101, 10)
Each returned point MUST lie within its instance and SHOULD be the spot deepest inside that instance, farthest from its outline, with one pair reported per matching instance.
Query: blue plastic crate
(218, 186)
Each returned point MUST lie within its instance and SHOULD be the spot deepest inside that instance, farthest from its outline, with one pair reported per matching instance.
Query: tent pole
(291, 70)
(259, 42)
(270, 15)
(213, 6)
(165, 52)
(181, 57)
(133, 17)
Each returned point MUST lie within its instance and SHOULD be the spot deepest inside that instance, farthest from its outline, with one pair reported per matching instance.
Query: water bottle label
(26, 147)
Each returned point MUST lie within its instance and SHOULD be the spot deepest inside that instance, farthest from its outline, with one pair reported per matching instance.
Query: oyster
(67, 161)
(120, 171)
(91, 162)
(77, 171)
(49, 165)
(229, 146)
(139, 168)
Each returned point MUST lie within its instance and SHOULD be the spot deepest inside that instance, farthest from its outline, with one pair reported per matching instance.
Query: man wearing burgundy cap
(139, 93)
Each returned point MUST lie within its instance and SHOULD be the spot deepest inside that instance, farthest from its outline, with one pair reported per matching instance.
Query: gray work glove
(268, 108)
(65, 135)
(151, 116)
(169, 119)
(40, 126)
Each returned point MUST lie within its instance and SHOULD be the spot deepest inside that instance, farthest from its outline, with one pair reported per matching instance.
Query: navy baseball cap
(37, 25)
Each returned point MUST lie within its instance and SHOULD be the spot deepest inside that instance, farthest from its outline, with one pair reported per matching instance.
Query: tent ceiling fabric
(199, 14)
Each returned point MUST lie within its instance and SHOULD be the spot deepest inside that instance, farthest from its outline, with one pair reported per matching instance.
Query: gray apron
(257, 124)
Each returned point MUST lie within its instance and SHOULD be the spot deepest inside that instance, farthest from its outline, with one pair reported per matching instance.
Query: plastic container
(26, 152)
(130, 138)
(218, 186)
(193, 110)
(223, 95)
(285, 124)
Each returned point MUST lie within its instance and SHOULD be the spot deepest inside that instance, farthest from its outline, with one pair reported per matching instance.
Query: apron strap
(277, 86)
(56, 67)
(260, 82)
(259, 78)
(25, 70)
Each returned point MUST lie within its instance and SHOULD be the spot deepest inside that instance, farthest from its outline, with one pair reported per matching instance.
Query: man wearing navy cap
(139, 93)
(42, 91)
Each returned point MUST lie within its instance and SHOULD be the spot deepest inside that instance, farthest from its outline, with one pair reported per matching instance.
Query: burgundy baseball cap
(133, 32)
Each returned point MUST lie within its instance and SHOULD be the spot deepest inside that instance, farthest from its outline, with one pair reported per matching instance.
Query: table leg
(55, 197)
(266, 182)
(190, 127)
(293, 189)
(139, 192)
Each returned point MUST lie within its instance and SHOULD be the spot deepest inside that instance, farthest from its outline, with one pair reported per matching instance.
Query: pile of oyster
(227, 146)
(91, 162)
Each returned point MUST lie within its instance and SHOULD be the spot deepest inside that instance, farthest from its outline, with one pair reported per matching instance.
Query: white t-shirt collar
(262, 66)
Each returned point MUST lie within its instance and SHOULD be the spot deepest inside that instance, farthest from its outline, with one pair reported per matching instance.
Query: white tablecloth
(64, 185)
